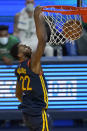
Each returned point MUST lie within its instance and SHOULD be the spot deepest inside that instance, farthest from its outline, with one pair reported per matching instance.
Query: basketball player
(31, 85)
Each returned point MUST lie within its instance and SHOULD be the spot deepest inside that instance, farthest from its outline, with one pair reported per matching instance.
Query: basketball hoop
(65, 22)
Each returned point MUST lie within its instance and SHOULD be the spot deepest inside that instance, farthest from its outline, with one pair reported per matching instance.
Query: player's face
(22, 51)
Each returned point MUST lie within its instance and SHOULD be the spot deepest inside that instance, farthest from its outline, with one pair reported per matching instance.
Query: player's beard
(20, 59)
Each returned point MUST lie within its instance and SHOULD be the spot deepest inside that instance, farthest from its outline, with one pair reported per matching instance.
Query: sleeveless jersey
(34, 96)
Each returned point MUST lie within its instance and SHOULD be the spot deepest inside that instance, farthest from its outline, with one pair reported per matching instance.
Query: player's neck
(23, 59)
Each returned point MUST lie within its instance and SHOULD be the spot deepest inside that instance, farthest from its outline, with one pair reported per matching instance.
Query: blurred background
(9, 8)
(65, 71)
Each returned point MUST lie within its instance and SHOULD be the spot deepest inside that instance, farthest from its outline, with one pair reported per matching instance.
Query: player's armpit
(18, 92)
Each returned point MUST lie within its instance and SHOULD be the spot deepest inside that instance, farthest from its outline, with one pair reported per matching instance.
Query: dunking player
(31, 86)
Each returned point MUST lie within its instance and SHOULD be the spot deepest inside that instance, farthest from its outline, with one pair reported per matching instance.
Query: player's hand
(37, 11)
(40, 24)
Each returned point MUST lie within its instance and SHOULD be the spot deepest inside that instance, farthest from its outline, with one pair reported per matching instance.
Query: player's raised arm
(42, 38)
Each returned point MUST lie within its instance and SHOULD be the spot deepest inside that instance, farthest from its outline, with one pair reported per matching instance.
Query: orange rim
(71, 10)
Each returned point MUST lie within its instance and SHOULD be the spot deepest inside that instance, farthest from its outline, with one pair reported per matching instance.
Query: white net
(60, 32)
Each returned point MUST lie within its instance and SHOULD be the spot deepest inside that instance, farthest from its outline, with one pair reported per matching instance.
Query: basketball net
(56, 21)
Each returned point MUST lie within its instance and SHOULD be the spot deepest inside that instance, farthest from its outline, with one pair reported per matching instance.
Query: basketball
(72, 29)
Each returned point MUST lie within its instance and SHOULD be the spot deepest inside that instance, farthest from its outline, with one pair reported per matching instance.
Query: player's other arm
(42, 38)
(18, 92)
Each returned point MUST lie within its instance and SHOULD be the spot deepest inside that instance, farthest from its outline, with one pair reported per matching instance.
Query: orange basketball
(72, 29)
